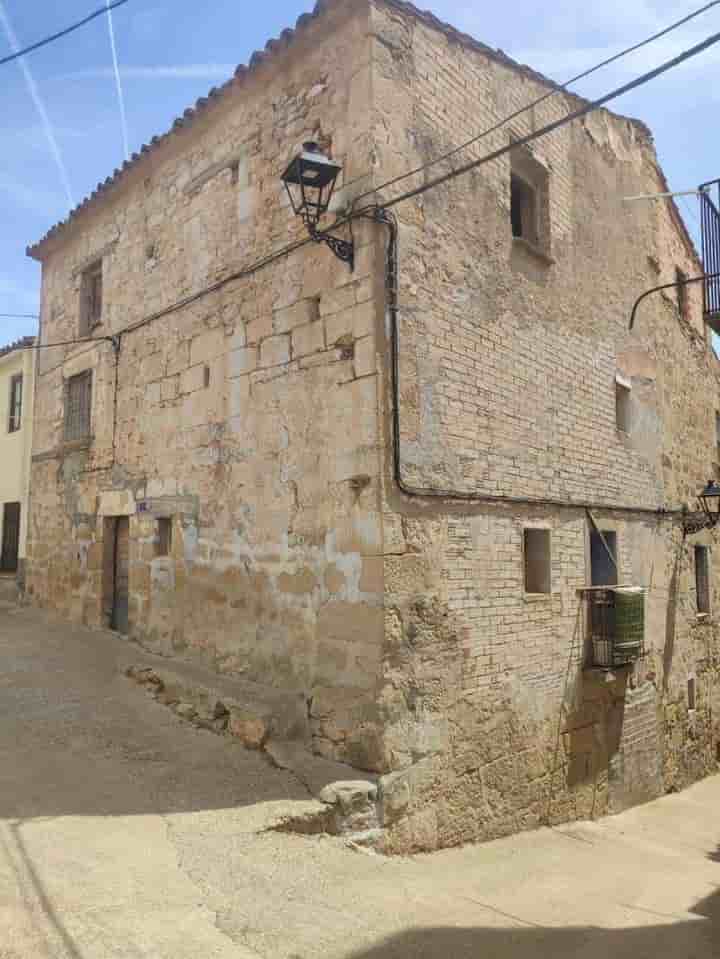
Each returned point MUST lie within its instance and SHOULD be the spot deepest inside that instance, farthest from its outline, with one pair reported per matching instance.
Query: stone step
(277, 723)
(9, 589)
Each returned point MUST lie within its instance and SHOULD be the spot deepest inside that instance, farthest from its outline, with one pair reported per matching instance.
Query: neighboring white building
(17, 365)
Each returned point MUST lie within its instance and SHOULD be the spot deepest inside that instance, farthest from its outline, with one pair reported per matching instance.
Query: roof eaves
(189, 116)
(24, 343)
(242, 72)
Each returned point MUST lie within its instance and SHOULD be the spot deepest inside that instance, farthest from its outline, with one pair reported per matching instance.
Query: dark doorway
(10, 538)
(117, 573)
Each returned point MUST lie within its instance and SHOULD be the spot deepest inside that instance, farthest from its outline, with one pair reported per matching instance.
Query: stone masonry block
(193, 379)
(169, 388)
(207, 346)
(152, 393)
(308, 339)
(299, 314)
(242, 361)
(260, 328)
(365, 364)
(275, 351)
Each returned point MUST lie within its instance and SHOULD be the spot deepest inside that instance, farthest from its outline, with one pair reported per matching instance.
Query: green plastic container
(629, 625)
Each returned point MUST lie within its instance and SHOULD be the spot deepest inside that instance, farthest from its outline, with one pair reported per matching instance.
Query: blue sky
(66, 133)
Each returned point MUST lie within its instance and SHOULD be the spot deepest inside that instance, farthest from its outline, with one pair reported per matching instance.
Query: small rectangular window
(603, 558)
(523, 209)
(16, 398)
(623, 405)
(164, 537)
(91, 298)
(538, 563)
(692, 696)
(78, 405)
(702, 579)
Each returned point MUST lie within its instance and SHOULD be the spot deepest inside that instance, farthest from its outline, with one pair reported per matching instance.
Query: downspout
(384, 216)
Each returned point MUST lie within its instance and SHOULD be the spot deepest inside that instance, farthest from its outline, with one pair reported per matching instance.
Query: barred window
(702, 579)
(16, 392)
(91, 298)
(78, 404)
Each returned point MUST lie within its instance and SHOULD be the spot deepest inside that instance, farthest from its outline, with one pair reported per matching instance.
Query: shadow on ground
(669, 937)
(79, 738)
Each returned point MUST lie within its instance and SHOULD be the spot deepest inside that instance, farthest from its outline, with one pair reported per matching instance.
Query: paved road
(127, 833)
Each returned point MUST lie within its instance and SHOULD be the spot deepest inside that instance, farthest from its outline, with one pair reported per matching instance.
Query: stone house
(231, 467)
(17, 368)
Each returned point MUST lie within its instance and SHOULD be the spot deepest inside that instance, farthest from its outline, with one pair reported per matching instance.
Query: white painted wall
(15, 448)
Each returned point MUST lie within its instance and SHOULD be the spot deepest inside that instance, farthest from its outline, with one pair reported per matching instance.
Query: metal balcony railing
(710, 230)
(615, 626)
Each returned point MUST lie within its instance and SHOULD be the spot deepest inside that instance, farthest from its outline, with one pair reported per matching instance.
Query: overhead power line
(368, 210)
(545, 96)
(588, 107)
(19, 316)
(16, 54)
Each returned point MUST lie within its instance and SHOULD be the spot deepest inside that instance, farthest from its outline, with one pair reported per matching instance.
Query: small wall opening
(538, 563)
(603, 558)
(523, 209)
(623, 406)
(691, 693)
(163, 546)
(702, 579)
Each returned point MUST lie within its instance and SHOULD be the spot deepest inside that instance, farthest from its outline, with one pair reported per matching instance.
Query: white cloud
(38, 101)
(189, 71)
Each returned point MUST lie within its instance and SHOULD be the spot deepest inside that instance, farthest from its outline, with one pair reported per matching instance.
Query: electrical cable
(546, 96)
(61, 33)
(588, 107)
(19, 316)
(384, 216)
(431, 184)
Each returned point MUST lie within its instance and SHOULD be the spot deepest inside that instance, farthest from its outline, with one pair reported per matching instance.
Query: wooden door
(121, 575)
(10, 538)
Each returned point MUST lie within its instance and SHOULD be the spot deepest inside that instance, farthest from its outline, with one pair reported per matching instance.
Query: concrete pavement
(125, 832)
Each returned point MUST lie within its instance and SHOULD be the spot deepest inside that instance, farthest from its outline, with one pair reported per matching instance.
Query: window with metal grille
(78, 405)
(16, 392)
(91, 298)
(702, 578)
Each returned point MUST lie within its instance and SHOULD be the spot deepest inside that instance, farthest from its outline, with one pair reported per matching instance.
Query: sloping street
(128, 833)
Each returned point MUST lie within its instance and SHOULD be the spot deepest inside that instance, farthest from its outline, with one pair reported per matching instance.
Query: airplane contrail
(118, 83)
(39, 104)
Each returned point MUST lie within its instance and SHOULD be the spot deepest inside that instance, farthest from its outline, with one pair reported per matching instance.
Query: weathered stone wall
(254, 418)
(248, 417)
(508, 360)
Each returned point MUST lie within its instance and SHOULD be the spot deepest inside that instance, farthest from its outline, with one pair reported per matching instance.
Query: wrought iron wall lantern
(709, 515)
(310, 182)
(710, 502)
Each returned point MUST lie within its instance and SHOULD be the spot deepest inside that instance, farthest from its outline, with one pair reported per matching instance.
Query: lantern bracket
(343, 249)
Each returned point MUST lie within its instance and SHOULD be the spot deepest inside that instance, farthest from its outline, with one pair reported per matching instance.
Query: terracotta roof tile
(22, 344)
(258, 57)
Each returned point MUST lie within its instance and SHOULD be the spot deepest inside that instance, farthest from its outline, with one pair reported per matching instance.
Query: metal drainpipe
(381, 215)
